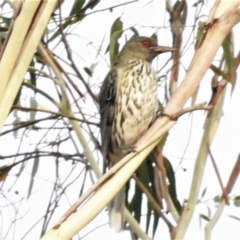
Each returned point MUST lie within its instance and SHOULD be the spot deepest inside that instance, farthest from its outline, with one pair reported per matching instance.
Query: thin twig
(29, 123)
(48, 153)
(177, 31)
(41, 92)
(232, 179)
(175, 116)
(234, 175)
(18, 107)
(70, 58)
(224, 193)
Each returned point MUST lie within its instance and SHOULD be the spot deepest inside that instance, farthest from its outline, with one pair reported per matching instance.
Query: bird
(128, 106)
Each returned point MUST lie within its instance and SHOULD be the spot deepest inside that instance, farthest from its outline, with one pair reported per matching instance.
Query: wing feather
(107, 98)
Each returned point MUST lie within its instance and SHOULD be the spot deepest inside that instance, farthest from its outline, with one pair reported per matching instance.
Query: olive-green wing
(107, 98)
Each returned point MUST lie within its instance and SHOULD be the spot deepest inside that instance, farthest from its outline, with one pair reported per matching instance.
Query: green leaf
(145, 173)
(15, 122)
(6, 20)
(209, 211)
(236, 201)
(172, 184)
(216, 70)
(88, 71)
(204, 192)
(92, 3)
(155, 223)
(234, 217)
(33, 174)
(116, 33)
(16, 100)
(33, 104)
(77, 6)
(33, 79)
(197, 3)
(217, 199)
(134, 30)
(201, 33)
(149, 214)
(136, 204)
(230, 60)
(148, 178)
(204, 217)
(184, 14)
(154, 36)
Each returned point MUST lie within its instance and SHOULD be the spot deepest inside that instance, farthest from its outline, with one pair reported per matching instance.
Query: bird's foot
(161, 113)
(132, 149)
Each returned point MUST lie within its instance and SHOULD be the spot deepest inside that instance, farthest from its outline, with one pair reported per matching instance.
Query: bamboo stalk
(26, 32)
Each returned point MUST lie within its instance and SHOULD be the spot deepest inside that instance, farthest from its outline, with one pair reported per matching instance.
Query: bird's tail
(116, 211)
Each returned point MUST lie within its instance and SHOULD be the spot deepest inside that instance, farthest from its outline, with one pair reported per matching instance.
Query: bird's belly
(133, 128)
(136, 109)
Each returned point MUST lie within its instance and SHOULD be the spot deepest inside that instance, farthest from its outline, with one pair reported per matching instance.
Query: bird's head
(143, 48)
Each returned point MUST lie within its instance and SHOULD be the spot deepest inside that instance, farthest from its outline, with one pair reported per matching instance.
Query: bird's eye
(145, 43)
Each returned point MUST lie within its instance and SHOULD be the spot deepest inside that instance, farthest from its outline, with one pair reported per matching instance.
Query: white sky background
(184, 136)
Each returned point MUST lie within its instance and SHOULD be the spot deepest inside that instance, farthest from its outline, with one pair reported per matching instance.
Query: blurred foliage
(116, 33)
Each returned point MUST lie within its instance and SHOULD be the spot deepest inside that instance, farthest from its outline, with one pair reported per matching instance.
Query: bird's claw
(132, 149)
(161, 113)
